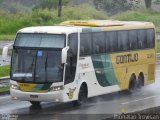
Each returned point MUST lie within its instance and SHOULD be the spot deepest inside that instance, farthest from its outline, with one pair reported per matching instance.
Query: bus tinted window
(111, 42)
(133, 40)
(150, 38)
(142, 36)
(98, 43)
(122, 40)
(73, 43)
(85, 44)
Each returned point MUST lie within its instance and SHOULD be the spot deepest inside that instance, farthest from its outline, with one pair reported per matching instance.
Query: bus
(79, 59)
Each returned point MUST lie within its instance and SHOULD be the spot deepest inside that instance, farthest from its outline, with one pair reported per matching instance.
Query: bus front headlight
(16, 87)
(56, 88)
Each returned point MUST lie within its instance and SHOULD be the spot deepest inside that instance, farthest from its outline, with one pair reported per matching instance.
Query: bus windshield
(37, 58)
(38, 66)
(40, 40)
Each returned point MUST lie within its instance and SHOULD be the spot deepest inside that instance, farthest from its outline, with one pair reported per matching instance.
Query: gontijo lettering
(120, 59)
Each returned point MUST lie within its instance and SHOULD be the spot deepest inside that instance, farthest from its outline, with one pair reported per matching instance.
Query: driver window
(71, 58)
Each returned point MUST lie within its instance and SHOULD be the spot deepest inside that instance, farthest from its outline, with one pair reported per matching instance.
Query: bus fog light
(16, 87)
(57, 88)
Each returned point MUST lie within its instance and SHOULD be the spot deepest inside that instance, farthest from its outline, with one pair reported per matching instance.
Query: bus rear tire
(140, 81)
(132, 84)
(35, 103)
(82, 97)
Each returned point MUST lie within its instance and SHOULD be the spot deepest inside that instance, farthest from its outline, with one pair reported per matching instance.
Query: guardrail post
(5, 52)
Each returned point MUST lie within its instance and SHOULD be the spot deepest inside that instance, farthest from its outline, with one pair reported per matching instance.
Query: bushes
(82, 11)
(4, 71)
(10, 23)
(140, 15)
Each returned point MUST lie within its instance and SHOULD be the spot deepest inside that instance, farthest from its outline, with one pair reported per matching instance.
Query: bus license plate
(33, 96)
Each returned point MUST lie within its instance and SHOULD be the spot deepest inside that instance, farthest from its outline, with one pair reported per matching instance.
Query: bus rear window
(40, 40)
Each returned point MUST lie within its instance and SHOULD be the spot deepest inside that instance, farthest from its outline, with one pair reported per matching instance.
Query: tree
(59, 7)
(50, 4)
(112, 6)
(148, 3)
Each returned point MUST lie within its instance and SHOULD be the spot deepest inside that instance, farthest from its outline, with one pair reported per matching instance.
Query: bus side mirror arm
(64, 55)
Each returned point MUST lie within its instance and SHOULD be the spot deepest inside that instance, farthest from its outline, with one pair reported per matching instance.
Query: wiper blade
(46, 65)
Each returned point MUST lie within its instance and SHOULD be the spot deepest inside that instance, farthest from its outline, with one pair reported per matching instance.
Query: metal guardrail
(4, 81)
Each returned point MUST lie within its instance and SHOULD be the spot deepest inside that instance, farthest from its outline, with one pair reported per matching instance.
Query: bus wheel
(82, 97)
(140, 81)
(35, 103)
(132, 84)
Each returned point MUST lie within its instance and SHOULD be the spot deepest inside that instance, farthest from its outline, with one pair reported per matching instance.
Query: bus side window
(98, 43)
(150, 38)
(111, 41)
(85, 44)
(122, 40)
(133, 40)
(71, 58)
(142, 39)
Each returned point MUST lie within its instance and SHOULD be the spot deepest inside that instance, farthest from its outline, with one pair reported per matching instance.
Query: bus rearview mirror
(64, 55)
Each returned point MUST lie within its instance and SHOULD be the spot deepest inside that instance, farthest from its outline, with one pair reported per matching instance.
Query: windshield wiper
(46, 65)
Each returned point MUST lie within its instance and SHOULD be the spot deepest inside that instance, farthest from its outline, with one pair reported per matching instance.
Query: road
(97, 108)
(4, 43)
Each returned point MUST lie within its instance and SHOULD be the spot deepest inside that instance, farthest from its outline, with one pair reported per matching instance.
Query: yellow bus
(80, 59)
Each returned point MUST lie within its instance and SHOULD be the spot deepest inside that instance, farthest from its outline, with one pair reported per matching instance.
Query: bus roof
(49, 29)
(103, 23)
(72, 26)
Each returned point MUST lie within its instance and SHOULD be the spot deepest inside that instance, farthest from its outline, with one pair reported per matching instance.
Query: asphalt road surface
(97, 108)
(4, 43)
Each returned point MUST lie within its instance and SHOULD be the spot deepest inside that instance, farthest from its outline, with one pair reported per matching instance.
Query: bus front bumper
(55, 96)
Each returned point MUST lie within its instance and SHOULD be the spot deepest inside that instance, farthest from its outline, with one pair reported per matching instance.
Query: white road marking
(138, 100)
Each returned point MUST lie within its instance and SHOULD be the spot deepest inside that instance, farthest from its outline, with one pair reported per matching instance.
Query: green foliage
(4, 89)
(115, 6)
(11, 23)
(13, 7)
(7, 37)
(156, 1)
(4, 71)
(49, 4)
(158, 47)
(80, 12)
(140, 15)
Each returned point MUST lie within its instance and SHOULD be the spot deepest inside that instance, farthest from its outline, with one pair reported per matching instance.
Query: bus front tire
(82, 97)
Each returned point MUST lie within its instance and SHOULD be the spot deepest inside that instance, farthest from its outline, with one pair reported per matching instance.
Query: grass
(4, 71)
(11, 23)
(4, 89)
(140, 15)
(7, 37)
(158, 47)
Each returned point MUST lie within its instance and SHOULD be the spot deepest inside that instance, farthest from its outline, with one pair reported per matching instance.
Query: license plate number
(33, 96)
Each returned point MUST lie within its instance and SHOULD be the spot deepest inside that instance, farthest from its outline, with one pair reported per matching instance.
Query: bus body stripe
(104, 70)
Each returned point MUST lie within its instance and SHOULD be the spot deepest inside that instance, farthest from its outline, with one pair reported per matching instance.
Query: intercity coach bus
(80, 59)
